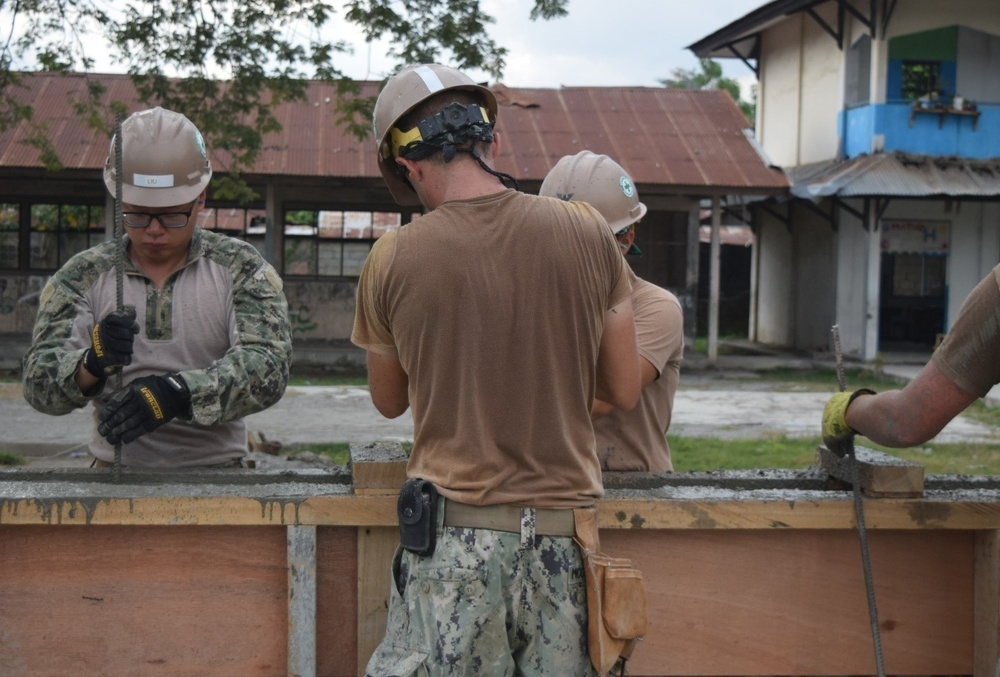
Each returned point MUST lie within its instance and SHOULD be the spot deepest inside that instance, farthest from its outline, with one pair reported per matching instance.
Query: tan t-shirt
(970, 354)
(495, 307)
(636, 439)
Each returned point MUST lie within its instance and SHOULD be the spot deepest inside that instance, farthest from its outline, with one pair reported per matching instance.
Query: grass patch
(338, 452)
(324, 380)
(984, 413)
(820, 379)
(700, 454)
(712, 453)
(10, 458)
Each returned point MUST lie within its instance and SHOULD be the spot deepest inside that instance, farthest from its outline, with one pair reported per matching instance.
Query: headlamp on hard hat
(455, 125)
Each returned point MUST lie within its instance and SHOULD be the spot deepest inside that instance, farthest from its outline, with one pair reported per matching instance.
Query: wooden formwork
(247, 574)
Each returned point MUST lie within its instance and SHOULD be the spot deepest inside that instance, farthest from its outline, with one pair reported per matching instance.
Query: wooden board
(378, 467)
(376, 546)
(129, 601)
(987, 604)
(336, 601)
(793, 602)
(879, 474)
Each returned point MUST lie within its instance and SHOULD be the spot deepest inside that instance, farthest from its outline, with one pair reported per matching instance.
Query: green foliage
(10, 458)
(709, 76)
(338, 452)
(698, 454)
(712, 453)
(227, 64)
(327, 380)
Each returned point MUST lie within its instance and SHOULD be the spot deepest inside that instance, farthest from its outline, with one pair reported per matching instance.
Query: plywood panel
(336, 601)
(119, 600)
(987, 611)
(376, 546)
(793, 602)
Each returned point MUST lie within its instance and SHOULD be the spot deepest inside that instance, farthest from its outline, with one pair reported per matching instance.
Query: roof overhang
(897, 175)
(741, 38)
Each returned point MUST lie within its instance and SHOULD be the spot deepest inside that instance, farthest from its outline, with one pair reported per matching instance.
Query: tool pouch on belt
(616, 597)
(417, 512)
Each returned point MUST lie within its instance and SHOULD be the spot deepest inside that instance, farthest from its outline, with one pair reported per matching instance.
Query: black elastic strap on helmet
(456, 129)
(455, 125)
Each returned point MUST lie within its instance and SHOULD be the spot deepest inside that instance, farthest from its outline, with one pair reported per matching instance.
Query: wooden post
(378, 469)
(986, 614)
(301, 601)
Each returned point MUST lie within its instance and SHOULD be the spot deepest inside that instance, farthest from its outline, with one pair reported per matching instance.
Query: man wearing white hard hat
(634, 439)
(495, 316)
(195, 322)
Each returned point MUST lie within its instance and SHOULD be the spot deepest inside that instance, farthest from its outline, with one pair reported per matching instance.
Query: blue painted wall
(956, 135)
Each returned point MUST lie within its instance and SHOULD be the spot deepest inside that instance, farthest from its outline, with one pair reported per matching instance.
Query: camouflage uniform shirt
(221, 321)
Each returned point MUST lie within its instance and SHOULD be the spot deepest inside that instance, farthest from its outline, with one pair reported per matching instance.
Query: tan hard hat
(599, 181)
(164, 163)
(401, 94)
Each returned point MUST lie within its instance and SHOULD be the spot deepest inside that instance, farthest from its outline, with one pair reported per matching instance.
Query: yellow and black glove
(836, 433)
(143, 406)
(111, 342)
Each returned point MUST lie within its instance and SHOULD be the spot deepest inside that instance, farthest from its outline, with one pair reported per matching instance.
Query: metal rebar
(859, 512)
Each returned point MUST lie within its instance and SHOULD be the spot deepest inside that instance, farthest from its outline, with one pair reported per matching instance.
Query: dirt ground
(707, 404)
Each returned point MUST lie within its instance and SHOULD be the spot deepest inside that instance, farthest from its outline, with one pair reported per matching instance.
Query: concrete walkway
(711, 402)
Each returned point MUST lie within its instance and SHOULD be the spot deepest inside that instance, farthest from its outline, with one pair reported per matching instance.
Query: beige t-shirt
(970, 354)
(636, 439)
(495, 307)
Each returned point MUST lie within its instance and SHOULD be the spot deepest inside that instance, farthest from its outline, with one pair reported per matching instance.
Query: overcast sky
(600, 42)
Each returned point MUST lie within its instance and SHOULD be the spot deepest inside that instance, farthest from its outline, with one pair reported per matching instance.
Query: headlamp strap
(453, 125)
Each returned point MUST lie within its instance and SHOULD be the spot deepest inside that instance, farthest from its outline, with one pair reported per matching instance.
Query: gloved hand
(836, 433)
(143, 406)
(111, 342)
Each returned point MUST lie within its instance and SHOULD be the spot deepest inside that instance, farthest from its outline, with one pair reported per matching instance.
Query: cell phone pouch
(417, 512)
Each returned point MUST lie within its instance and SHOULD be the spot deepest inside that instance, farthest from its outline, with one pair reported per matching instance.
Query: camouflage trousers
(486, 603)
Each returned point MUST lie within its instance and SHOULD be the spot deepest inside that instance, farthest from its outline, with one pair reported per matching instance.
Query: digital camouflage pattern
(487, 603)
(234, 352)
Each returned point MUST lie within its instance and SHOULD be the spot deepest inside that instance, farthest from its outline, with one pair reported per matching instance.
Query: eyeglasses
(168, 220)
(625, 231)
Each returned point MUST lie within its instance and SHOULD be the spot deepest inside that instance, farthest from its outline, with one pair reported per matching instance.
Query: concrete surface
(711, 401)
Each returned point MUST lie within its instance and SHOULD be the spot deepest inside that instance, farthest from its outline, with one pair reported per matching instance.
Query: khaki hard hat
(402, 93)
(164, 162)
(599, 181)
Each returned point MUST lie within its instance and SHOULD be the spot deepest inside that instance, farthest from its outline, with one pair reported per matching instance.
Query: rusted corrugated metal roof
(678, 141)
(897, 174)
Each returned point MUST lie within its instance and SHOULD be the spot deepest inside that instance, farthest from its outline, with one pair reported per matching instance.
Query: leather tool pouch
(417, 512)
(616, 597)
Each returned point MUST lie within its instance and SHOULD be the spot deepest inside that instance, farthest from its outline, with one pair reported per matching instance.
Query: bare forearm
(911, 416)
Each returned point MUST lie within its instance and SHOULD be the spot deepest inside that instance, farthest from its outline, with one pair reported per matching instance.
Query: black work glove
(111, 342)
(143, 406)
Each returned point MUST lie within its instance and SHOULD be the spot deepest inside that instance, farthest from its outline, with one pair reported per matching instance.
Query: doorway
(912, 304)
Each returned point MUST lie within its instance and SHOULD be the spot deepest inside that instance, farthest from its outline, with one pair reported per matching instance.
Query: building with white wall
(886, 117)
